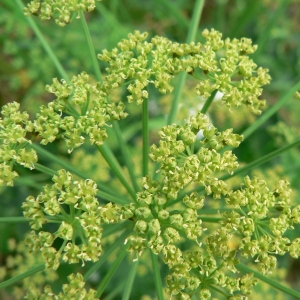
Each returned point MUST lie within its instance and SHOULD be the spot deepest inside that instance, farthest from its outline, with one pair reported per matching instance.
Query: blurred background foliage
(25, 69)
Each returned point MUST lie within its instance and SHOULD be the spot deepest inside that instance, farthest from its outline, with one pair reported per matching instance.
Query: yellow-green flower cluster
(72, 205)
(195, 272)
(223, 66)
(259, 218)
(14, 127)
(180, 168)
(262, 217)
(80, 109)
(66, 218)
(229, 69)
(61, 11)
(74, 290)
(254, 227)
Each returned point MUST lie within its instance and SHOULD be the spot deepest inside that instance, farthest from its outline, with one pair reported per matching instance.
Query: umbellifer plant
(170, 200)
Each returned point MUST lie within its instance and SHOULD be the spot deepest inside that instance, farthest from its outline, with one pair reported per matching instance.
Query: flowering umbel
(168, 213)
(72, 205)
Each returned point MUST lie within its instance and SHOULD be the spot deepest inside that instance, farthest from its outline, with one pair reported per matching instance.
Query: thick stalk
(126, 155)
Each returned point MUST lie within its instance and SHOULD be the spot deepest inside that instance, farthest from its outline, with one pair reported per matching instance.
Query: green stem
(54, 158)
(26, 181)
(126, 155)
(262, 160)
(13, 220)
(113, 163)
(91, 47)
(44, 169)
(111, 271)
(208, 102)
(106, 193)
(116, 291)
(213, 211)
(86, 105)
(271, 111)
(210, 219)
(190, 38)
(157, 276)
(26, 274)
(130, 280)
(114, 228)
(45, 44)
(120, 199)
(107, 253)
(219, 290)
(145, 137)
(269, 281)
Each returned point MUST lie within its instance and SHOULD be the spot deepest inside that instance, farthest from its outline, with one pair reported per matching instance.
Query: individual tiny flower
(171, 235)
(141, 227)
(204, 294)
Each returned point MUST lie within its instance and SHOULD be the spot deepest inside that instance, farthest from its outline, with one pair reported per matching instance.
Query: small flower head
(60, 11)
(84, 222)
